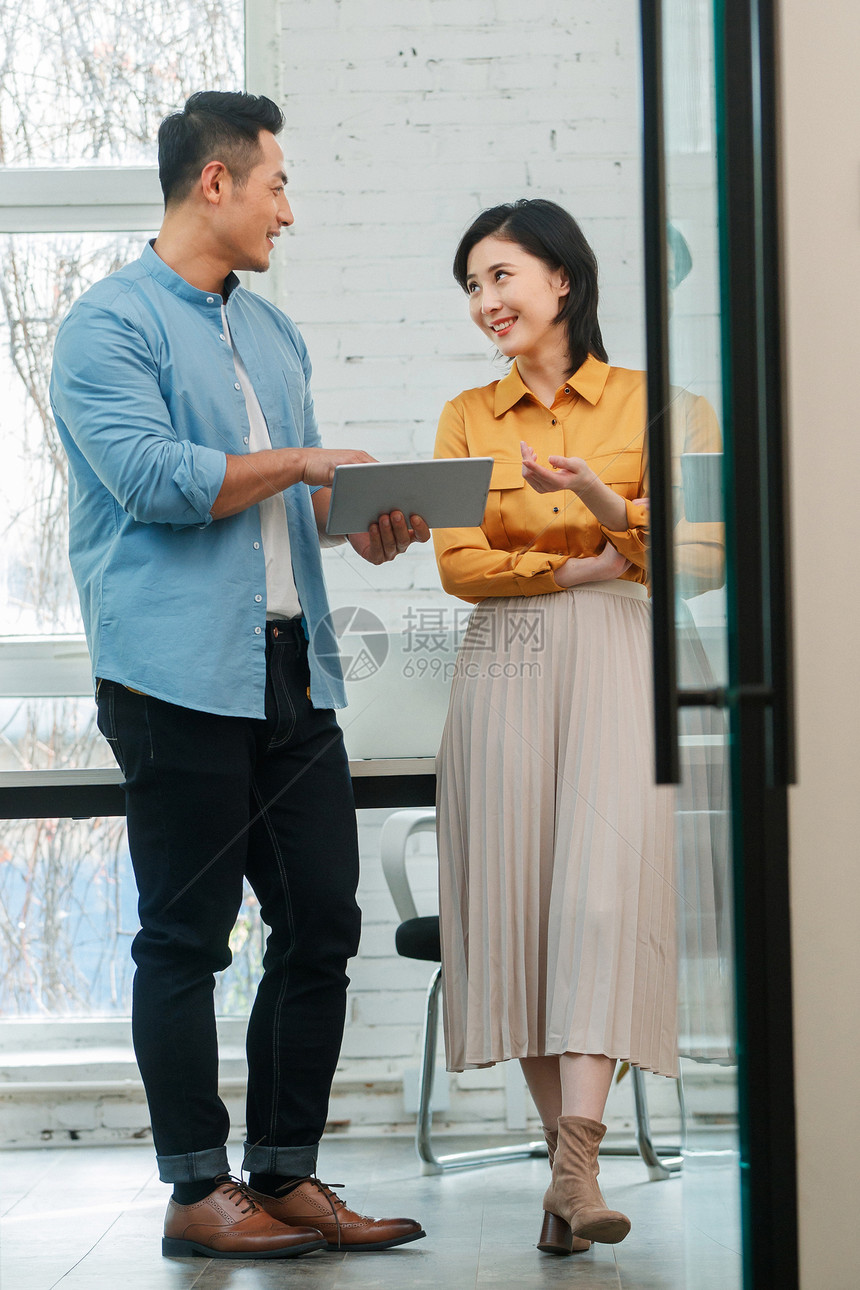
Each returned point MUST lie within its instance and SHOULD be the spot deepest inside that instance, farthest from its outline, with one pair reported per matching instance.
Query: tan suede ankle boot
(573, 1194)
(550, 1137)
(555, 1234)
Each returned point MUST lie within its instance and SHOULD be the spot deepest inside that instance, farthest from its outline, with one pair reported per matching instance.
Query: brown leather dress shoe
(228, 1224)
(312, 1202)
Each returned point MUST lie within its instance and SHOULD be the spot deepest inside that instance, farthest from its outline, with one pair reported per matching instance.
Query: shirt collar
(588, 380)
(169, 278)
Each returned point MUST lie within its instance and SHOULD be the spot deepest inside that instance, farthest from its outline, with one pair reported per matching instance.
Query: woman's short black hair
(548, 232)
(213, 126)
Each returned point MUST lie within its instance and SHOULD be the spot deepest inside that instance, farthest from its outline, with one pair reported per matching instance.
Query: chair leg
(682, 1107)
(424, 1126)
(659, 1167)
(430, 1162)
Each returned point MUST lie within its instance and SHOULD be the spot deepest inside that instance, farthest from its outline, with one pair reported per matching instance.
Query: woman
(555, 848)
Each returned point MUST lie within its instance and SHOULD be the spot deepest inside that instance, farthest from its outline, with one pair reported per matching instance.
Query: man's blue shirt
(147, 404)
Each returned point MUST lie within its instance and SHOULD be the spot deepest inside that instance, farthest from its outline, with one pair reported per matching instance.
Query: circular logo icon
(351, 638)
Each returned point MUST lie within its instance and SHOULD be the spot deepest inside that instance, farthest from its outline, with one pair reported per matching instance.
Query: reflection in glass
(88, 82)
(711, 1171)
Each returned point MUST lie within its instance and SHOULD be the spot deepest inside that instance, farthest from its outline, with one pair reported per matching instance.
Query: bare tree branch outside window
(81, 84)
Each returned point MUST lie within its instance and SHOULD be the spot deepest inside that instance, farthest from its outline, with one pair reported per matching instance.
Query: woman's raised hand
(608, 507)
(568, 472)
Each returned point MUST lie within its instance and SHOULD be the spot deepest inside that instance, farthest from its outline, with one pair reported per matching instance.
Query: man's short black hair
(213, 126)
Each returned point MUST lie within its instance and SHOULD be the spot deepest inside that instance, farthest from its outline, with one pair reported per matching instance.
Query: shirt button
(258, 599)
(210, 300)
(257, 631)
(555, 510)
(256, 546)
(554, 421)
(245, 440)
(566, 388)
(223, 337)
(237, 386)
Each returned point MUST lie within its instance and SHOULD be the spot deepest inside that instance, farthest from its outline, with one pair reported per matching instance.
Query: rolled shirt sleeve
(106, 393)
(631, 542)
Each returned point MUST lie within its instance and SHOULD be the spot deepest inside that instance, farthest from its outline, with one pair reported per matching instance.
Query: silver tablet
(446, 493)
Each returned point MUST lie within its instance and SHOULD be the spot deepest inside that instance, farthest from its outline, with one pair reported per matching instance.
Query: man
(198, 489)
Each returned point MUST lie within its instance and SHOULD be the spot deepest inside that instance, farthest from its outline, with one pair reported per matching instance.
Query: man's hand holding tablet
(388, 537)
(383, 507)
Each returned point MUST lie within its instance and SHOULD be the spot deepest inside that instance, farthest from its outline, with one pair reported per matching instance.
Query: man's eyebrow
(281, 174)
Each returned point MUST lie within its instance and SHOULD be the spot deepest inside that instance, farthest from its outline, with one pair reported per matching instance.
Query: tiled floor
(90, 1219)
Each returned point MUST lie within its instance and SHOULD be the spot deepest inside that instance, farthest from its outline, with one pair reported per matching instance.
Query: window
(83, 87)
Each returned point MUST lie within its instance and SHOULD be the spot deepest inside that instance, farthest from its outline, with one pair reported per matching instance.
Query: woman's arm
(624, 523)
(592, 568)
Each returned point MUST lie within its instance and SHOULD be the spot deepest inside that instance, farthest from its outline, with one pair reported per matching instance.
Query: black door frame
(758, 698)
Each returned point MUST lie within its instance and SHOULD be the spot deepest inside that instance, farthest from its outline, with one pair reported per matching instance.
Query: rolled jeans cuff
(193, 1165)
(287, 1162)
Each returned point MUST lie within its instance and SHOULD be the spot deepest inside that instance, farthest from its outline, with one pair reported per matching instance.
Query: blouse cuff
(637, 515)
(540, 580)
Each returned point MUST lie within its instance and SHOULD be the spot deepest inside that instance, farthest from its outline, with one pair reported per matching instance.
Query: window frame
(94, 199)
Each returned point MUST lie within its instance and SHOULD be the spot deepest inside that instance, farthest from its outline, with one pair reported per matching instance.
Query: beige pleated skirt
(556, 885)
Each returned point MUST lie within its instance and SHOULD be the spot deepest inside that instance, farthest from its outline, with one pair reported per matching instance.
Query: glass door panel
(711, 1168)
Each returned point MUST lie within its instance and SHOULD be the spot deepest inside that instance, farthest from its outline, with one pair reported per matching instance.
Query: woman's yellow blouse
(598, 415)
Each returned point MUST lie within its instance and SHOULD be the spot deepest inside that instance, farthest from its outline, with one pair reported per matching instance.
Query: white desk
(79, 794)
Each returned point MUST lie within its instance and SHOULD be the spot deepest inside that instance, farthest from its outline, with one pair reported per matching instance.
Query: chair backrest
(393, 838)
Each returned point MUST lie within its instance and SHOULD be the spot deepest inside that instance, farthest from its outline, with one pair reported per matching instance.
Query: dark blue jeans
(211, 800)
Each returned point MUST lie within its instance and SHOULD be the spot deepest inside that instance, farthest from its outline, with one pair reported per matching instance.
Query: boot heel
(555, 1235)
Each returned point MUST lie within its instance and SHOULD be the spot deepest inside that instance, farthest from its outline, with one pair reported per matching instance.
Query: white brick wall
(404, 119)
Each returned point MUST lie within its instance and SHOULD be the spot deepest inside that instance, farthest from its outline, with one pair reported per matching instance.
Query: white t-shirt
(282, 598)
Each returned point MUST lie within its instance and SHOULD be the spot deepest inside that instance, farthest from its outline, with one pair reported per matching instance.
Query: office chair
(418, 938)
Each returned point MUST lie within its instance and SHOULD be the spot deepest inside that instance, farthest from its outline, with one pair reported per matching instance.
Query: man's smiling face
(255, 212)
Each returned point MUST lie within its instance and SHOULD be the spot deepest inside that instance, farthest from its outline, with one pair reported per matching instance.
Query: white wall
(404, 119)
(821, 160)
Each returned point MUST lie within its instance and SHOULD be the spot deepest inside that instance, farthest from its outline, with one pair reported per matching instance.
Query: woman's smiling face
(514, 297)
